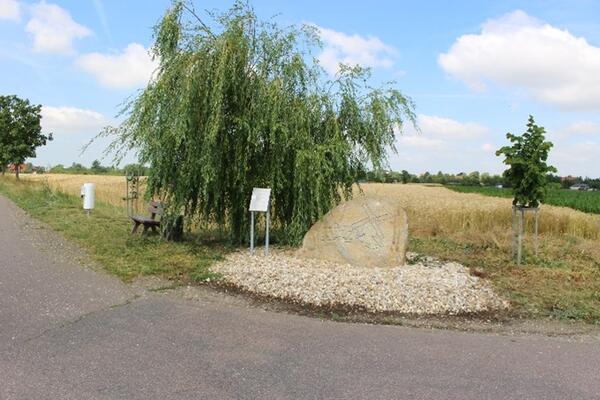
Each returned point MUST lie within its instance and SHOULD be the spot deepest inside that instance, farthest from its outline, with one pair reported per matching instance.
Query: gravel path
(425, 286)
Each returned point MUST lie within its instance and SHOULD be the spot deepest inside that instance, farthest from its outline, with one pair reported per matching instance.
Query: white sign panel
(260, 200)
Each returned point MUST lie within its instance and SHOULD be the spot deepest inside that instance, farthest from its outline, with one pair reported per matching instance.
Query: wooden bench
(154, 208)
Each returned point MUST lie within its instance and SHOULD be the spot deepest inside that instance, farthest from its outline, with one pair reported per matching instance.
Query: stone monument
(365, 231)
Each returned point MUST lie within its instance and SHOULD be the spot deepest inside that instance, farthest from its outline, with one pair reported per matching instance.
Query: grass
(562, 282)
(588, 202)
(105, 235)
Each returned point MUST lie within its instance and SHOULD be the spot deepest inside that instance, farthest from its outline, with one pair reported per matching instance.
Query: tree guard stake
(519, 231)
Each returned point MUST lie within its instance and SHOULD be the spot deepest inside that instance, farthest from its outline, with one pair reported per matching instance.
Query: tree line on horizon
(96, 168)
(474, 178)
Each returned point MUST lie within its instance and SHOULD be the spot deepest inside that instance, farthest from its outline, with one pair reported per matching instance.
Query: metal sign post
(267, 234)
(251, 232)
(259, 202)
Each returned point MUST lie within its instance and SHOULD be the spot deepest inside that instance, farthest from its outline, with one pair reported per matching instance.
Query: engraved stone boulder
(365, 231)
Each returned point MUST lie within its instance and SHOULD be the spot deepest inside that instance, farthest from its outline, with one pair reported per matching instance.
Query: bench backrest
(155, 208)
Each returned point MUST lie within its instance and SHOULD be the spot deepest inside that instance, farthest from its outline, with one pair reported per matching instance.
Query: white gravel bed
(426, 287)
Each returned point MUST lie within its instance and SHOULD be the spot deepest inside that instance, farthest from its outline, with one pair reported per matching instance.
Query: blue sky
(475, 70)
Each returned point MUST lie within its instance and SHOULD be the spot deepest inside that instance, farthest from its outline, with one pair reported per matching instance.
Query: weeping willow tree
(237, 103)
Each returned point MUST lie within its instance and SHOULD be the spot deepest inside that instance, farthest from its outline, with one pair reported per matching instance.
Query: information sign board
(259, 201)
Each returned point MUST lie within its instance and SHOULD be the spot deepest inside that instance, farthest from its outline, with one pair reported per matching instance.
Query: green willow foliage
(528, 171)
(237, 106)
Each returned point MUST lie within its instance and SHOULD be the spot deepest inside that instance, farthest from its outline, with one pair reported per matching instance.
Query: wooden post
(514, 233)
(519, 231)
(520, 238)
(127, 195)
(536, 241)
(515, 223)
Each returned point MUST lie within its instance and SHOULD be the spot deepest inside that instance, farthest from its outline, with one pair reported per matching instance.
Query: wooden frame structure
(518, 223)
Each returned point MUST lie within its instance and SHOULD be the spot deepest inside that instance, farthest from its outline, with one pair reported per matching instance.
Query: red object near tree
(21, 167)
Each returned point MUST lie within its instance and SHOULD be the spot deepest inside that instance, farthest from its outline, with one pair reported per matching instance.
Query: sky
(475, 70)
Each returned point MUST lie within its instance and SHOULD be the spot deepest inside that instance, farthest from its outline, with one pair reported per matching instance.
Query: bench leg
(145, 230)
(155, 229)
(135, 227)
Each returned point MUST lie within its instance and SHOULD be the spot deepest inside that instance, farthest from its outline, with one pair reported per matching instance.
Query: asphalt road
(68, 332)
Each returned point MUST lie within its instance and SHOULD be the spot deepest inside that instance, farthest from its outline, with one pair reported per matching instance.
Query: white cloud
(449, 128)
(419, 141)
(438, 131)
(70, 120)
(575, 151)
(10, 10)
(519, 51)
(444, 144)
(579, 158)
(454, 146)
(580, 128)
(53, 29)
(366, 51)
(131, 68)
(488, 147)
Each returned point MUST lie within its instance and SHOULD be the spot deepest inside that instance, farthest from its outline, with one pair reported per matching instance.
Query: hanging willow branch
(239, 103)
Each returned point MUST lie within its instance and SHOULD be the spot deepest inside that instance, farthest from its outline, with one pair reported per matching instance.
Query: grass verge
(105, 235)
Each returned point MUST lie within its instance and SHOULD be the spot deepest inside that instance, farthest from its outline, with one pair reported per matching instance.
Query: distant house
(13, 167)
(580, 186)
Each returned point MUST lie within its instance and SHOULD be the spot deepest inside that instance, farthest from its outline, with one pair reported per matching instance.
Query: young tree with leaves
(238, 103)
(528, 170)
(20, 131)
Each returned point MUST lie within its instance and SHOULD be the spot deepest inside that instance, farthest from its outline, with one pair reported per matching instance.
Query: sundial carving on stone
(365, 231)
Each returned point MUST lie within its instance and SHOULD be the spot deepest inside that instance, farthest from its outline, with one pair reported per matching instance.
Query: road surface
(69, 332)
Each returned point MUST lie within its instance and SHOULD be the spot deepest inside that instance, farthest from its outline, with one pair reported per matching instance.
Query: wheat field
(109, 189)
(432, 210)
(436, 210)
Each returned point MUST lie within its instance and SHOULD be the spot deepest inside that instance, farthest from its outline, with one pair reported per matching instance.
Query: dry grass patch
(435, 210)
(109, 189)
